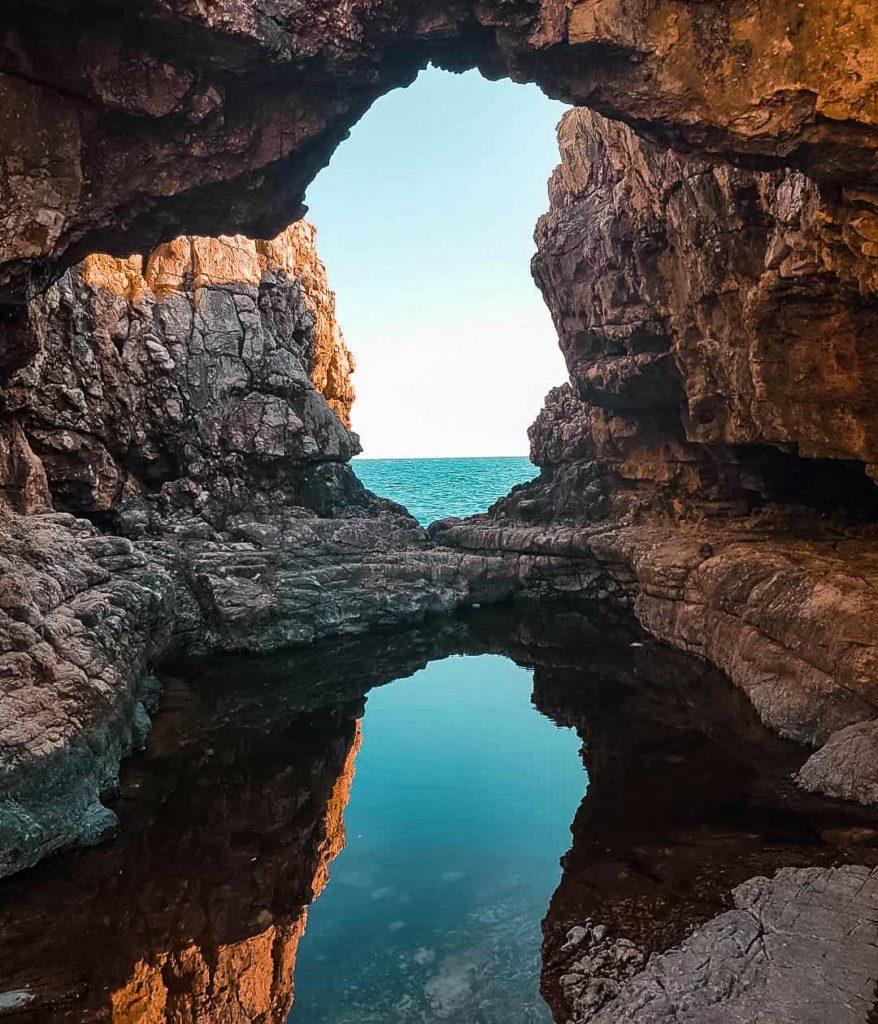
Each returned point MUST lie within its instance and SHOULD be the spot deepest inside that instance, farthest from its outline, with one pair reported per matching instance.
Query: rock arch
(125, 125)
(121, 127)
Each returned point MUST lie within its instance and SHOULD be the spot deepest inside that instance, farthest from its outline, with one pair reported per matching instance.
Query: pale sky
(425, 221)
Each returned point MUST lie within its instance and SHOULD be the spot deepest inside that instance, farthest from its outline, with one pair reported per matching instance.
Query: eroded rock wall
(129, 124)
(212, 371)
(83, 619)
(745, 300)
(712, 459)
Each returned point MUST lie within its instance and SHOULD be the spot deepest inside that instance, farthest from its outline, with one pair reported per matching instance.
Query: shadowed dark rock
(702, 884)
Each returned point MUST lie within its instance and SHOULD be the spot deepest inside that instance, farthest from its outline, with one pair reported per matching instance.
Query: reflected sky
(459, 812)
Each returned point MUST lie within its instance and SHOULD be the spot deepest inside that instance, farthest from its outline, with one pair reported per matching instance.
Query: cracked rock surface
(195, 406)
(801, 943)
(710, 462)
(82, 619)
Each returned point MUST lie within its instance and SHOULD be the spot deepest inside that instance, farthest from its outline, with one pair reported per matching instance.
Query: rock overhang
(126, 125)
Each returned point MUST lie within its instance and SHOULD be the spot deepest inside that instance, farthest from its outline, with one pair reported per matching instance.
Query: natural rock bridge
(174, 424)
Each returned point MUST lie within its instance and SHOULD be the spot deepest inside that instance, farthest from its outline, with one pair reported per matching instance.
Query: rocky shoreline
(252, 759)
(175, 424)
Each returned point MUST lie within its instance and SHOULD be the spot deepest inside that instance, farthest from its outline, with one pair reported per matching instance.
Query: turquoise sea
(434, 489)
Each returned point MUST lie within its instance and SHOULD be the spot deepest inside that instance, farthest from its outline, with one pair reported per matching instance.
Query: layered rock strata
(711, 460)
(83, 618)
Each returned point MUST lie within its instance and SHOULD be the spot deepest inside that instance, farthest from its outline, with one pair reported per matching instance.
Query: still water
(454, 834)
(369, 829)
(434, 489)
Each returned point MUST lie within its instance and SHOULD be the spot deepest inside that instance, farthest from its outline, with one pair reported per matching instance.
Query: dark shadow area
(838, 487)
(689, 796)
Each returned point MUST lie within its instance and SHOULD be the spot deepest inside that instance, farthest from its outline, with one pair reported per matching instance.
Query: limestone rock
(711, 462)
(24, 485)
(84, 616)
(332, 362)
(793, 621)
(799, 945)
(846, 766)
(746, 300)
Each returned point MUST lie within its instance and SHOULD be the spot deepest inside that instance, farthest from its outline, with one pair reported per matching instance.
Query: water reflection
(195, 913)
(459, 815)
(231, 818)
(689, 796)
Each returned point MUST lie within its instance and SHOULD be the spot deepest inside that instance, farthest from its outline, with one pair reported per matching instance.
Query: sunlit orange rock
(295, 250)
(191, 262)
(245, 982)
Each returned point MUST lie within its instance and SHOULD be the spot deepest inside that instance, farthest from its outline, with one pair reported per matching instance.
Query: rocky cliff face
(194, 405)
(146, 120)
(727, 313)
(211, 373)
(711, 459)
(162, 394)
(716, 323)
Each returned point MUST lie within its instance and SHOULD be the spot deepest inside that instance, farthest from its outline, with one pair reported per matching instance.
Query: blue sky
(425, 221)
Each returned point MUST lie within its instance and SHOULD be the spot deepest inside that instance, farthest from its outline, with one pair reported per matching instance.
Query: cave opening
(715, 302)
(425, 216)
(425, 219)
